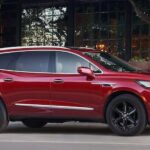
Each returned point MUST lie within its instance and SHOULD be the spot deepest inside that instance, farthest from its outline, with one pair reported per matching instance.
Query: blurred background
(120, 27)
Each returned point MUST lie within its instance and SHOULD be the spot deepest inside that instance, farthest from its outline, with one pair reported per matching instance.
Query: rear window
(33, 62)
(29, 61)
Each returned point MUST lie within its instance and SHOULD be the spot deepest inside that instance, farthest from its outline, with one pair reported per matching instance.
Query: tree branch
(139, 13)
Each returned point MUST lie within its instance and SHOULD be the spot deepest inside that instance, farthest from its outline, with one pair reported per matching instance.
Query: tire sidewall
(3, 117)
(141, 114)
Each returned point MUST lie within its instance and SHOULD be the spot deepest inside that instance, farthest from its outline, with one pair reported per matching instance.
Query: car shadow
(66, 128)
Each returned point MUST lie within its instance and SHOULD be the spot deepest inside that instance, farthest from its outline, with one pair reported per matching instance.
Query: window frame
(22, 57)
(49, 64)
(75, 55)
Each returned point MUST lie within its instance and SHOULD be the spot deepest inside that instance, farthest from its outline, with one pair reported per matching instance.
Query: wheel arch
(115, 94)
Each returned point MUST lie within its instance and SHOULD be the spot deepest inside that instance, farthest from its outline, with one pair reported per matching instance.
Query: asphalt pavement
(70, 136)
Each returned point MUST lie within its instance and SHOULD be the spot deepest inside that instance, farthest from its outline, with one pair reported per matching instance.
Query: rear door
(27, 87)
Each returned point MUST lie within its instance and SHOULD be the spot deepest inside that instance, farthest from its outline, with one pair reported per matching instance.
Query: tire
(126, 115)
(3, 118)
(34, 123)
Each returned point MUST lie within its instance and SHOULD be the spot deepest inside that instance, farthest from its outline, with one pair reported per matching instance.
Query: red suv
(55, 84)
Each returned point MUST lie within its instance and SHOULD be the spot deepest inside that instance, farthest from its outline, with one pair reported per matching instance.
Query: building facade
(110, 24)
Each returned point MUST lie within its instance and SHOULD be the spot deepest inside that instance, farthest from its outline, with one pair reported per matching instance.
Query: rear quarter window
(6, 60)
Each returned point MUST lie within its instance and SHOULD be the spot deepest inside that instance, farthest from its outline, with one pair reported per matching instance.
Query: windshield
(111, 62)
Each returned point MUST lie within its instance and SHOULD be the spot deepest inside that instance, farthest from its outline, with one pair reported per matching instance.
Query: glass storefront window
(44, 26)
(140, 38)
(95, 22)
(103, 22)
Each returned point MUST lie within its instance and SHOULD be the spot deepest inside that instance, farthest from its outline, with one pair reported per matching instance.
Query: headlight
(146, 84)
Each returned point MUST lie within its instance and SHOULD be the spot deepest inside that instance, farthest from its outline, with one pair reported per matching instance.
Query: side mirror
(86, 72)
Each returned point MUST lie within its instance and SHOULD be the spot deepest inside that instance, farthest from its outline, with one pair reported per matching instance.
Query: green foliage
(44, 26)
(140, 59)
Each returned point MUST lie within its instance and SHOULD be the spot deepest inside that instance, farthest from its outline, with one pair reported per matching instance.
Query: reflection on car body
(56, 84)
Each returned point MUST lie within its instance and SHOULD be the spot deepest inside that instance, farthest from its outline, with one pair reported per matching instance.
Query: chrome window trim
(104, 84)
(49, 51)
(54, 106)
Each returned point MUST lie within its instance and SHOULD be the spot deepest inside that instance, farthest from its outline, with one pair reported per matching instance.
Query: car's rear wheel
(3, 117)
(34, 123)
(126, 115)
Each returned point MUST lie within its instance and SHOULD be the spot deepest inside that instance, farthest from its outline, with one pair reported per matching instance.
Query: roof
(26, 47)
(22, 48)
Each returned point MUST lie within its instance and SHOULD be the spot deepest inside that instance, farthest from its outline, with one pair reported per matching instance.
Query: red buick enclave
(56, 84)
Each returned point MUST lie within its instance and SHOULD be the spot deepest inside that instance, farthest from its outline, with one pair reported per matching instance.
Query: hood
(129, 75)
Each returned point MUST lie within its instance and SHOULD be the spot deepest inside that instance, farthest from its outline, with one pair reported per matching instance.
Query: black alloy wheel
(126, 115)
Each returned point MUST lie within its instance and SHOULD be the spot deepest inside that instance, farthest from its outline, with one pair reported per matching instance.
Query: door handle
(8, 79)
(58, 81)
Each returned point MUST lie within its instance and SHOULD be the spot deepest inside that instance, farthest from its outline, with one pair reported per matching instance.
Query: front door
(72, 95)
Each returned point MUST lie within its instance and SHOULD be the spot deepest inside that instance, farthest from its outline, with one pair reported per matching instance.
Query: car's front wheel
(34, 123)
(126, 115)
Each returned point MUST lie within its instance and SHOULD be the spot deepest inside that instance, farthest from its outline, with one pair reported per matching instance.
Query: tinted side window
(69, 63)
(6, 60)
(33, 62)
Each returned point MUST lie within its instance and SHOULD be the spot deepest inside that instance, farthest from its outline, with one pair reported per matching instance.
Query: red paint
(76, 90)
(87, 72)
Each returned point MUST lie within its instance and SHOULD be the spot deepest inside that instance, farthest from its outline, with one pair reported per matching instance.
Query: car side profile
(57, 84)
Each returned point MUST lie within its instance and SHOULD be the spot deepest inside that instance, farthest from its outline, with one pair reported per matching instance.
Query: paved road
(70, 136)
